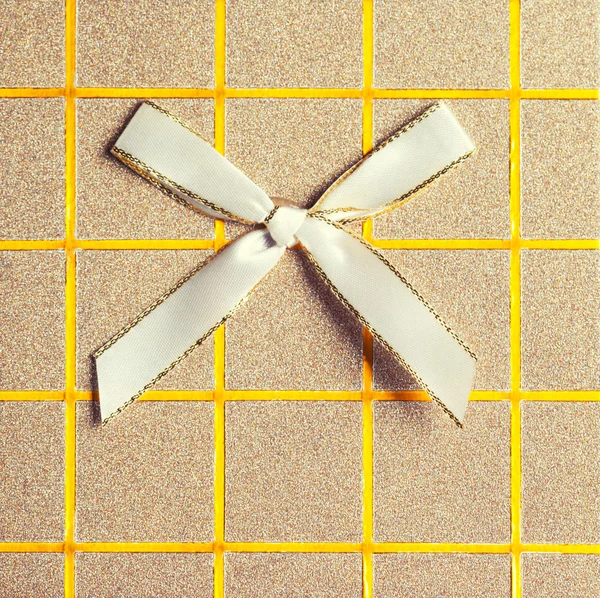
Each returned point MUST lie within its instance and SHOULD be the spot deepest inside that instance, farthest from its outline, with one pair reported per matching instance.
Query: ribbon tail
(393, 311)
(165, 333)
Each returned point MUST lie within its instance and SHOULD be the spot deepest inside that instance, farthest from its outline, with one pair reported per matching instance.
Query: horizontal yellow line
(560, 395)
(307, 395)
(560, 94)
(379, 93)
(142, 92)
(294, 93)
(157, 395)
(383, 547)
(25, 245)
(186, 92)
(146, 244)
(559, 243)
(298, 547)
(32, 92)
(440, 243)
(32, 395)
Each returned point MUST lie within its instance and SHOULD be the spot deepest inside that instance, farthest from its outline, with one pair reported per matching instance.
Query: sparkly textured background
(288, 456)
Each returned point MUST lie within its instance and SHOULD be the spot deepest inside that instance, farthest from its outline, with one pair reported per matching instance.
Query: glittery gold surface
(560, 43)
(113, 287)
(433, 482)
(437, 575)
(293, 148)
(560, 575)
(441, 44)
(32, 315)
(293, 471)
(294, 43)
(560, 169)
(32, 189)
(32, 42)
(32, 463)
(471, 201)
(148, 476)
(146, 43)
(31, 575)
(116, 575)
(293, 575)
(293, 333)
(115, 202)
(469, 289)
(560, 473)
(560, 320)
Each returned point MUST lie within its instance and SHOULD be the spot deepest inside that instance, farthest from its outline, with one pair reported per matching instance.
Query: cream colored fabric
(163, 149)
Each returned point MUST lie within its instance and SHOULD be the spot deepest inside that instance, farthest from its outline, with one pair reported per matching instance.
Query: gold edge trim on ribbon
(396, 203)
(163, 183)
(415, 121)
(164, 372)
(175, 118)
(150, 309)
(374, 332)
(381, 257)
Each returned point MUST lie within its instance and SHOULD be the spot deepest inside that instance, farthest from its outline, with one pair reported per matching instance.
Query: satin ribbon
(170, 155)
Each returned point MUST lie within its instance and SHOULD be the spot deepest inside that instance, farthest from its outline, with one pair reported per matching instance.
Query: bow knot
(283, 223)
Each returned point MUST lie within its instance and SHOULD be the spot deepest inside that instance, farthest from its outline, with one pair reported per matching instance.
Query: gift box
(290, 454)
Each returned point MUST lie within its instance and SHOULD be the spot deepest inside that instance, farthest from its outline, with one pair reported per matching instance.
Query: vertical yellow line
(70, 298)
(367, 144)
(515, 293)
(219, 336)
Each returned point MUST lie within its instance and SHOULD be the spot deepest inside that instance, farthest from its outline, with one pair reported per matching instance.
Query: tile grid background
(70, 244)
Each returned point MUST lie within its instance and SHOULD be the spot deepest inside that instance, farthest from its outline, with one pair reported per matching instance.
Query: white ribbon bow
(169, 154)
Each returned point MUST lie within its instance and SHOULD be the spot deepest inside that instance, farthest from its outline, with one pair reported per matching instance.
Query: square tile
(139, 575)
(293, 148)
(294, 43)
(114, 202)
(470, 290)
(32, 194)
(560, 575)
(560, 169)
(148, 476)
(293, 471)
(32, 448)
(280, 575)
(560, 43)
(432, 481)
(32, 312)
(560, 465)
(468, 202)
(435, 575)
(113, 287)
(293, 333)
(441, 44)
(148, 43)
(31, 575)
(560, 320)
(32, 43)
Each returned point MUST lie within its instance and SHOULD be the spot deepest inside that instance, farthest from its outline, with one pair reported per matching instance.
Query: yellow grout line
(70, 300)
(291, 92)
(219, 335)
(310, 395)
(367, 411)
(515, 294)
(125, 244)
(298, 547)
